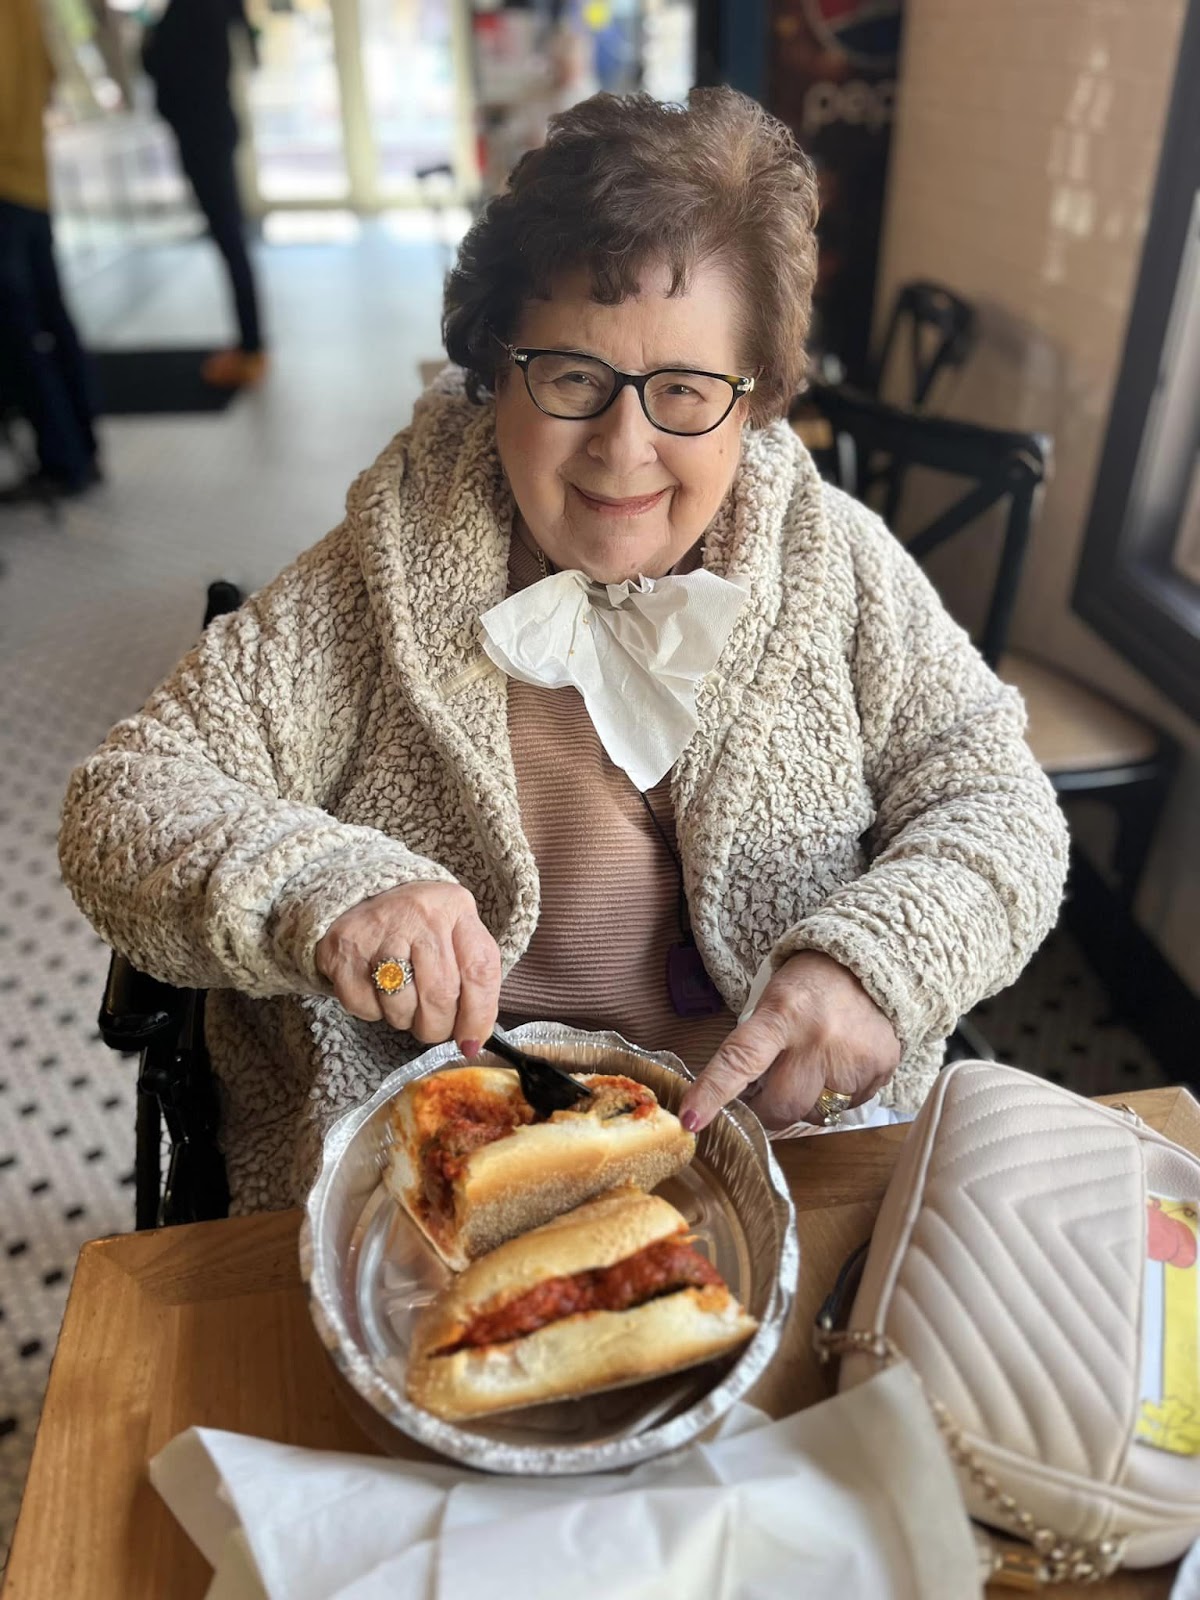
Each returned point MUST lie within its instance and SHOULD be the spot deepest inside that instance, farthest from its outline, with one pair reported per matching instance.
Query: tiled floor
(95, 608)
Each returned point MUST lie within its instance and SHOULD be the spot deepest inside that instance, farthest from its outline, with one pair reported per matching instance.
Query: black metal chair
(938, 329)
(1085, 743)
(176, 1089)
(176, 1086)
(941, 333)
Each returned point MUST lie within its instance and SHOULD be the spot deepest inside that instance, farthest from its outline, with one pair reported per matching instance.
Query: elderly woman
(599, 705)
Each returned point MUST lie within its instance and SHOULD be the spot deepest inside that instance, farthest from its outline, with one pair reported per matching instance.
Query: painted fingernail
(691, 1121)
(470, 1048)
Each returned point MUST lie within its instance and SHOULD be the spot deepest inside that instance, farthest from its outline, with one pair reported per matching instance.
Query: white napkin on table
(853, 1499)
(636, 651)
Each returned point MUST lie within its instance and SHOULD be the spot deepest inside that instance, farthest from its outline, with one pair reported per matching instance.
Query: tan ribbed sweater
(610, 890)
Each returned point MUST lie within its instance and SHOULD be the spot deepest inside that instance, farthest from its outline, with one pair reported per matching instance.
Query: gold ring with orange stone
(390, 976)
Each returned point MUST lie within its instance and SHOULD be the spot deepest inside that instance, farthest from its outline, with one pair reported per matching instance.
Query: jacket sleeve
(968, 847)
(196, 839)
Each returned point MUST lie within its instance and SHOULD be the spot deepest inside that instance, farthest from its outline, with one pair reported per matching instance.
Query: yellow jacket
(25, 79)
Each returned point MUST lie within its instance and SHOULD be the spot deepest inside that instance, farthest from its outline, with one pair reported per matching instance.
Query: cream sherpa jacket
(858, 784)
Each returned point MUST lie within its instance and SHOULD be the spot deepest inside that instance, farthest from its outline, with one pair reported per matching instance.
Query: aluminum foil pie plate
(369, 1271)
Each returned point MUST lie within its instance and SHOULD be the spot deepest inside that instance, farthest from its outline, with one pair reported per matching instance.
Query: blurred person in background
(187, 55)
(43, 371)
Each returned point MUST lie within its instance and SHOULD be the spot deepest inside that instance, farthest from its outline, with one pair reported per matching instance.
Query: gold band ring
(831, 1105)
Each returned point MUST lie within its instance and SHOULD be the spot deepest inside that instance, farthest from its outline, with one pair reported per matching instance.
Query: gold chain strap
(1060, 1560)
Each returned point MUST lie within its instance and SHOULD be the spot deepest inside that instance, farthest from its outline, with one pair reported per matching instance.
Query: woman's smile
(613, 506)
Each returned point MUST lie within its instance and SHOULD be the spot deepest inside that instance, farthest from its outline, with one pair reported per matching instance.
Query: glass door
(294, 105)
(353, 100)
(408, 61)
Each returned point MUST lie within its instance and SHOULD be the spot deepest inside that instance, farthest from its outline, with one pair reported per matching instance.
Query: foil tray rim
(460, 1444)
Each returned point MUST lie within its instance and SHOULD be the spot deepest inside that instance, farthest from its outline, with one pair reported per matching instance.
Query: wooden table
(208, 1325)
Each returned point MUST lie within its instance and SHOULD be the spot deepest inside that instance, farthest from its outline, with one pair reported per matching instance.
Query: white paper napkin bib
(636, 651)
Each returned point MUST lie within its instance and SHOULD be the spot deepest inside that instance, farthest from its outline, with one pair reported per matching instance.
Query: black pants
(206, 155)
(43, 370)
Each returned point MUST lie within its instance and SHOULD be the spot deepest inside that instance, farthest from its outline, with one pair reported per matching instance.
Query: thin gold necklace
(526, 538)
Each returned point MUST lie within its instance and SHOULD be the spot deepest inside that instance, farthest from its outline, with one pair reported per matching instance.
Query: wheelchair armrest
(136, 1008)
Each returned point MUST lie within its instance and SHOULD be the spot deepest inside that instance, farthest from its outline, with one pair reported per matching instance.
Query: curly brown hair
(625, 182)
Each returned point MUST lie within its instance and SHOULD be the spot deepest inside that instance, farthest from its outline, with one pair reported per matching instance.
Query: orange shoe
(235, 369)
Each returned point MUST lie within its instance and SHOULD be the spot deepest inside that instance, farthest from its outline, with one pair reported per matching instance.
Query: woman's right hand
(455, 992)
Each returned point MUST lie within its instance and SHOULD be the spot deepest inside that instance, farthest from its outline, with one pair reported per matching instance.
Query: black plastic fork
(547, 1087)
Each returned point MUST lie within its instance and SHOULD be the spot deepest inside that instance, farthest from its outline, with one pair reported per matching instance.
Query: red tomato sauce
(616, 1095)
(467, 1120)
(658, 1269)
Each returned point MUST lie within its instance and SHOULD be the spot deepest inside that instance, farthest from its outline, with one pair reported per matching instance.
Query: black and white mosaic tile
(1057, 1021)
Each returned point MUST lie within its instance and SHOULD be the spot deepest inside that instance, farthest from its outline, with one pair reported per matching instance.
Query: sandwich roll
(610, 1294)
(473, 1166)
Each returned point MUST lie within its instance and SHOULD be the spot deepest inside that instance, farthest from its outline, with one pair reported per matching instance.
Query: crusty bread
(605, 1230)
(580, 1354)
(533, 1174)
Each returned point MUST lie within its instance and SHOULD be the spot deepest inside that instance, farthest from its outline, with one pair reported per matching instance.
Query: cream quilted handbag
(1007, 1267)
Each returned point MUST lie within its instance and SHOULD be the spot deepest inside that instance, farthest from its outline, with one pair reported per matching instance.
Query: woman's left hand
(814, 1028)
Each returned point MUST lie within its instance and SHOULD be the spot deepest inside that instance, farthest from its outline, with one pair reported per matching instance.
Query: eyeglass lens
(577, 386)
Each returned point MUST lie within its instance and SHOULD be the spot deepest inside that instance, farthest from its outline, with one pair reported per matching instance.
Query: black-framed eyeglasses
(575, 388)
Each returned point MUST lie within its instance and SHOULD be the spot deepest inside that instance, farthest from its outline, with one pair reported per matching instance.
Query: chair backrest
(223, 597)
(874, 442)
(176, 1085)
(941, 333)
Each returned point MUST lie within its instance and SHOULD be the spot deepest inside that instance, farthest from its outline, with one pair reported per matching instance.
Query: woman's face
(613, 495)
